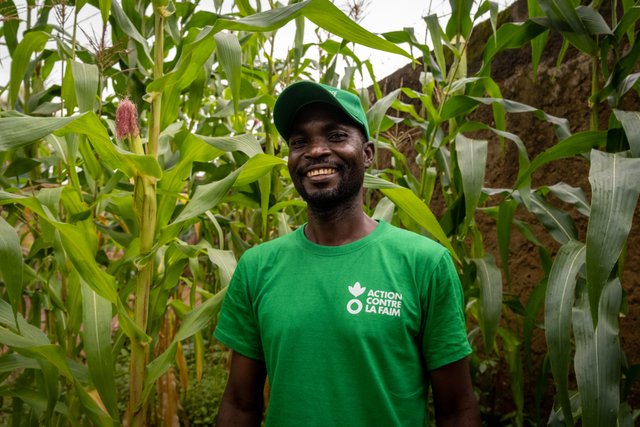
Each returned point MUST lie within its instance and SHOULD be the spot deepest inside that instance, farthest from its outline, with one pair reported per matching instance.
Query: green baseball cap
(299, 94)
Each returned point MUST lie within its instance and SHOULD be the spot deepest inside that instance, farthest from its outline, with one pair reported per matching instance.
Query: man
(350, 318)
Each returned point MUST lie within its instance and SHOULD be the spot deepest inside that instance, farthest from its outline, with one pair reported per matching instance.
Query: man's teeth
(323, 171)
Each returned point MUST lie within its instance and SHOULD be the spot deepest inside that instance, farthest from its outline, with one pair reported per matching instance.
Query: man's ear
(369, 150)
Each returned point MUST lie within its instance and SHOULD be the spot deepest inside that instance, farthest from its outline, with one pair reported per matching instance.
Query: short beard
(327, 200)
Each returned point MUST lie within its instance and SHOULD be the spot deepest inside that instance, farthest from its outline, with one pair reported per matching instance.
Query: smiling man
(351, 319)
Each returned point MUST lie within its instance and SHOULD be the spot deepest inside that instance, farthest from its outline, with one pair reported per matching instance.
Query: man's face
(328, 156)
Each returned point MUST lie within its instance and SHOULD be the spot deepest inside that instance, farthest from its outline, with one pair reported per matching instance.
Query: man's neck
(338, 226)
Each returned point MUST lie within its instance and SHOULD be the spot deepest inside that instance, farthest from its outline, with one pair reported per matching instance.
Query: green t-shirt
(348, 332)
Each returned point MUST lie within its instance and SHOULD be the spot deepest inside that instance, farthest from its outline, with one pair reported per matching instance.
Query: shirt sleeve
(444, 335)
(237, 325)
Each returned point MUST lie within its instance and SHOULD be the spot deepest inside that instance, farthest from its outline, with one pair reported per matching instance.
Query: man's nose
(318, 146)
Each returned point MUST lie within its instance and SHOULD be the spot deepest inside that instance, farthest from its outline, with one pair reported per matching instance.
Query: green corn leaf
(384, 210)
(76, 246)
(124, 24)
(193, 57)
(630, 121)
(190, 66)
(437, 37)
(10, 362)
(85, 78)
(269, 20)
(597, 358)
(463, 105)
(73, 304)
(33, 41)
(209, 195)
(538, 43)
(97, 346)
(27, 331)
(128, 326)
(627, 22)
(10, 25)
(225, 261)
(81, 256)
(557, 316)
(563, 14)
(472, 162)
(93, 410)
(323, 13)
(16, 132)
(592, 21)
(92, 167)
(622, 78)
(377, 113)
(257, 167)
(460, 21)
(19, 131)
(114, 157)
(192, 149)
(534, 306)
(490, 281)
(557, 222)
(68, 91)
(509, 36)
(20, 166)
(264, 185)
(105, 8)
(514, 362)
(36, 400)
(572, 195)
(411, 204)
(11, 267)
(245, 143)
(575, 144)
(200, 317)
(28, 347)
(230, 57)
(614, 183)
(523, 158)
(504, 225)
(50, 386)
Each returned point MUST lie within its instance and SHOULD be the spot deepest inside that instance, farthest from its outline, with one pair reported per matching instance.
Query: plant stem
(154, 131)
(594, 117)
(145, 205)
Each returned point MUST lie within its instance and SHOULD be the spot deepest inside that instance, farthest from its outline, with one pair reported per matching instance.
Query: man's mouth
(321, 171)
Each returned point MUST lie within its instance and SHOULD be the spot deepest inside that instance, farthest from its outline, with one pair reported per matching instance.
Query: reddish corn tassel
(127, 120)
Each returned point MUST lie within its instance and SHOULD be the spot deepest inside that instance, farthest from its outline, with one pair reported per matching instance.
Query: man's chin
(331, 197)
(328, 199)
(322, 199)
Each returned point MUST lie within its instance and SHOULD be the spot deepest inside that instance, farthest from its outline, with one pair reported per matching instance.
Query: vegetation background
(117, 240)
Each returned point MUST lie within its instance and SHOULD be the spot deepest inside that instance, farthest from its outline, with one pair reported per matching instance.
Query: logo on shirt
(377, 301)
(354, 306)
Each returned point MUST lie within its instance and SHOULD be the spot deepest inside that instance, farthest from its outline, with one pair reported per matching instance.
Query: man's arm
(243, 400)
(453, 397)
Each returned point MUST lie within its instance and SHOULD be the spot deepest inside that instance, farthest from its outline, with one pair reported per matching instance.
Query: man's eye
(296, 142)
(338, 136)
